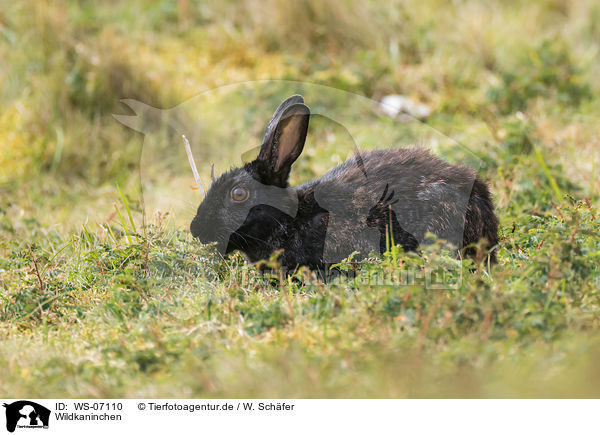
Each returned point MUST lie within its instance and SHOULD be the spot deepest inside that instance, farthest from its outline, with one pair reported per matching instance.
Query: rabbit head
(246, 208)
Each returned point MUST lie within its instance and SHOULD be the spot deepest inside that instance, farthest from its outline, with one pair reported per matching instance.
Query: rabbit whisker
(249, 236)
(242, 237)
(278, 223)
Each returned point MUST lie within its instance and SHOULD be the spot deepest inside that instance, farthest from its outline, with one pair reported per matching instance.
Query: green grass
(99, 299)
(165, 317)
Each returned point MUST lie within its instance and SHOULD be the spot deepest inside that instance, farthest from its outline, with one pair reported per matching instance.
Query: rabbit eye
(239, 194)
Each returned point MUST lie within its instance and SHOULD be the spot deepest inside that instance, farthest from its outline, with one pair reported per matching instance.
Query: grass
(99, 299)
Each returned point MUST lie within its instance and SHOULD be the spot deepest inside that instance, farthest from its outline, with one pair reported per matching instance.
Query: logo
(26, 414)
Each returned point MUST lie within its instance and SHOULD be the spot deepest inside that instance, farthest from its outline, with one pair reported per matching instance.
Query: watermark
(388, 191)
(431, 278)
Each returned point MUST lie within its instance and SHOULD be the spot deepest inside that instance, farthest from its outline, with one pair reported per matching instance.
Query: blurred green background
(516, 82)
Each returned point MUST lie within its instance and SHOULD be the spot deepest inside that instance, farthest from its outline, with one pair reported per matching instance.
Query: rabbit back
(405, 191)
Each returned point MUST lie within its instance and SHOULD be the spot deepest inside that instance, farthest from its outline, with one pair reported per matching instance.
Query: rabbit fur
(398, 194)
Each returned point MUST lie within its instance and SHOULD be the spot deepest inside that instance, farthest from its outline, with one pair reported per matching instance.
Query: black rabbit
(351, 208)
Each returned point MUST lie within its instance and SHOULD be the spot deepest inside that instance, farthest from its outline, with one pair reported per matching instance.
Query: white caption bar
(160, 416)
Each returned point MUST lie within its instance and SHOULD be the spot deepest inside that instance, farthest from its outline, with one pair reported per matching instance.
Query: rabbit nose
(203, 231)
(196, 230)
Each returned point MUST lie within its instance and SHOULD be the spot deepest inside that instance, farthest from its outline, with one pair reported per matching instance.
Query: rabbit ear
(294, 99)
(284, 139)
